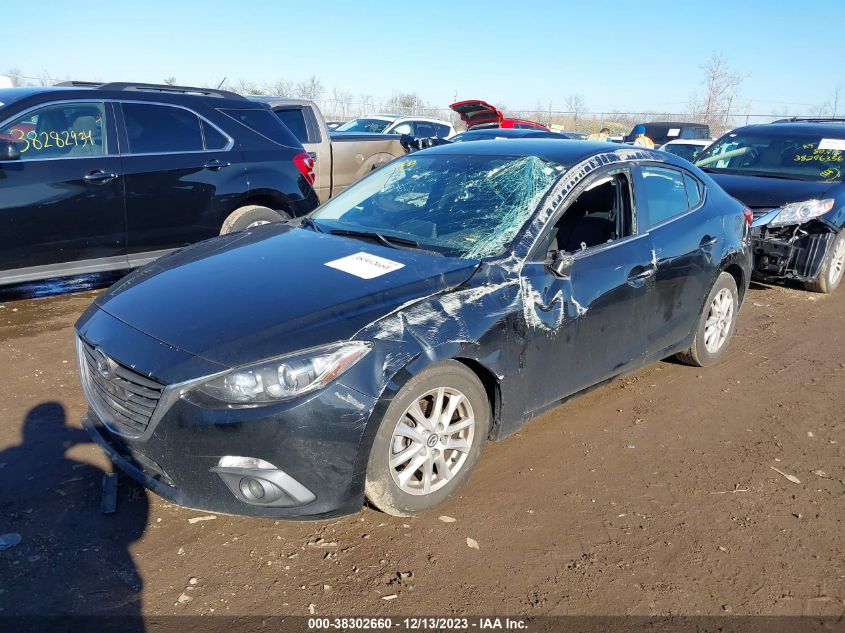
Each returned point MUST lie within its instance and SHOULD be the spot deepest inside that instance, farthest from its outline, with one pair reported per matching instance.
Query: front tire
(250, 216)
(832, 268)
(430, 439)
(716, 325)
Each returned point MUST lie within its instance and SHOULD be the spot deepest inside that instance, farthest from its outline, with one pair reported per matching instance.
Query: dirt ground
(655, 495)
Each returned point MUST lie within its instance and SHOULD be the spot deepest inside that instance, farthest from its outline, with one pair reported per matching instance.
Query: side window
(265, 123)
(59, 131)
(442, 131)
(158, 129)
(601, 213)
(693, 190)
(665, 193)
(213, 138)
(423, 129)
(402, 128)
(295, 122)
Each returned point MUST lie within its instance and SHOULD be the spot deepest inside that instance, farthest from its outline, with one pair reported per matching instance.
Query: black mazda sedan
(373, 347)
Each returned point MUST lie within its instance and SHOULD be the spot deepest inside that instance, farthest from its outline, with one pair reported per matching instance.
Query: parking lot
(672, 491)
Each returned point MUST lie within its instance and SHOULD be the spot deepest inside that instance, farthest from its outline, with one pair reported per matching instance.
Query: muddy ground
(654, 495)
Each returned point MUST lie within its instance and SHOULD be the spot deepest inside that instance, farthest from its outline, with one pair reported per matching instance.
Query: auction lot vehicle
(661, 132)
(478, 114)
(688, 149)
(338, 160)
(417, 126)
(790, 174)
(97, 177)
(443, 300)
(489, 134)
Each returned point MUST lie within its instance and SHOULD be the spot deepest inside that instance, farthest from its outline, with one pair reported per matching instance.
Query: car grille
(124, 399)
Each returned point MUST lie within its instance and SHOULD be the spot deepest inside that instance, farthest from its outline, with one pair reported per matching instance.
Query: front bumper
(314, 441)
(791, 252)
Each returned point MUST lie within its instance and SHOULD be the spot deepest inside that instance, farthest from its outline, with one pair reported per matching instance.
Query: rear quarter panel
(356, 156)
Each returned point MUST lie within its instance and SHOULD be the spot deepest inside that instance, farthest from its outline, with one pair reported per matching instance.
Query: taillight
(748, 215)
(305, 164)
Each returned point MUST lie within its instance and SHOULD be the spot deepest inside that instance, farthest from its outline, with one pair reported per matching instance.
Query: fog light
(251, 487)
(258, 482)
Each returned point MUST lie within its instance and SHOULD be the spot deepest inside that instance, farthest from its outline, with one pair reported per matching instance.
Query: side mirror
(9, 151)
(559, 263)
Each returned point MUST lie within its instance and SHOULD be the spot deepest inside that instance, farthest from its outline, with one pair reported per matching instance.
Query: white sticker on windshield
(365, 265)
(675, 131)
(832, 143)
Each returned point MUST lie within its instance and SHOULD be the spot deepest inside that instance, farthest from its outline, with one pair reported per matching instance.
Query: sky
(629, 56)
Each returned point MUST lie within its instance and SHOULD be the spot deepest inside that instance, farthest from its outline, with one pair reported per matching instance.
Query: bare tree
(311, 89)
(405, 103)
(366, 103)
(721, 89)
(281, 88)
(577, 106)
(14, 75)
(170, 81)
(831, 107)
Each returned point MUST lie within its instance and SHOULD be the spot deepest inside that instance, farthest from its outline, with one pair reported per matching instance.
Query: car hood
(761, 192)
(269, 291)
(476, 112)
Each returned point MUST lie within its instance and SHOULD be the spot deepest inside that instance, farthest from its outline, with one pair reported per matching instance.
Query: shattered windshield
(460, 205)
(798, 156)
(371, 126)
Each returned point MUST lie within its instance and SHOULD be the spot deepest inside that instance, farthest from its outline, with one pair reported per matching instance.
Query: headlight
(799, 212)
(285, 377)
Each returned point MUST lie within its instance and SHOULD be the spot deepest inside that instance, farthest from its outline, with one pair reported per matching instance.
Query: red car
(480, 114)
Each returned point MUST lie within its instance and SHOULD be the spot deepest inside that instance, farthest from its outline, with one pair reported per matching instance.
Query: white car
(687, 148)
(417, 126)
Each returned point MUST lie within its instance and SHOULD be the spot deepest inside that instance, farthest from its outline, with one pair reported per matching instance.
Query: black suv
(791, 174)
(97, 177)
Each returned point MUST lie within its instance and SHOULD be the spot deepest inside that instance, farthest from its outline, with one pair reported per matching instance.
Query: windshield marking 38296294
(461, 205)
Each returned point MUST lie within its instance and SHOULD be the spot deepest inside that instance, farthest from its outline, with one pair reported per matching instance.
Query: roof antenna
(222, 81)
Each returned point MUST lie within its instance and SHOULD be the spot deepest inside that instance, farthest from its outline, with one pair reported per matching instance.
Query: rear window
(265, 123)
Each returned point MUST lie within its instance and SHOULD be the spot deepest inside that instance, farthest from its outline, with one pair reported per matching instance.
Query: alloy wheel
(719, 321)
(431, 441)
(837, 263)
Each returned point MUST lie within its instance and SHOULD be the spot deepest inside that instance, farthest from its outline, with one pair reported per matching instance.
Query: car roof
(565, 152)
(689, 141)
(276, 101)
(834, 130)
(513, 132)
(674, 124)
(117, 91)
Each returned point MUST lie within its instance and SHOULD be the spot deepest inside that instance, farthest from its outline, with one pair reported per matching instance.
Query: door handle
(215, 164)
(708, 242)
(99, 177)
(640, 274)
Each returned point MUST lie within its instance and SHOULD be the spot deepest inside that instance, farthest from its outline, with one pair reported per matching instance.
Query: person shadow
(71, 560)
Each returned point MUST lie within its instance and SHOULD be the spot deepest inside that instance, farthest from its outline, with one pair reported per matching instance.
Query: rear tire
(250, 216)
(419, 457)
(716, 325)
(832, 268)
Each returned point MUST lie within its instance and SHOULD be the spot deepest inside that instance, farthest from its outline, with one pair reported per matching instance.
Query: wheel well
(491, 388)
(735, 271)
(265, 201)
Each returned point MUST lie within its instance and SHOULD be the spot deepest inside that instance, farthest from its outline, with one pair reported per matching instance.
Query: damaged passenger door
(586, 290)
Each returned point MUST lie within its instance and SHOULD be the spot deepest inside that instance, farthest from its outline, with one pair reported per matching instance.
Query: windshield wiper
(390, 241)
(306, 221)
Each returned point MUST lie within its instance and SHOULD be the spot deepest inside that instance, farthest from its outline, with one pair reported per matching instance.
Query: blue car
(372, 348)
(790, 173)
